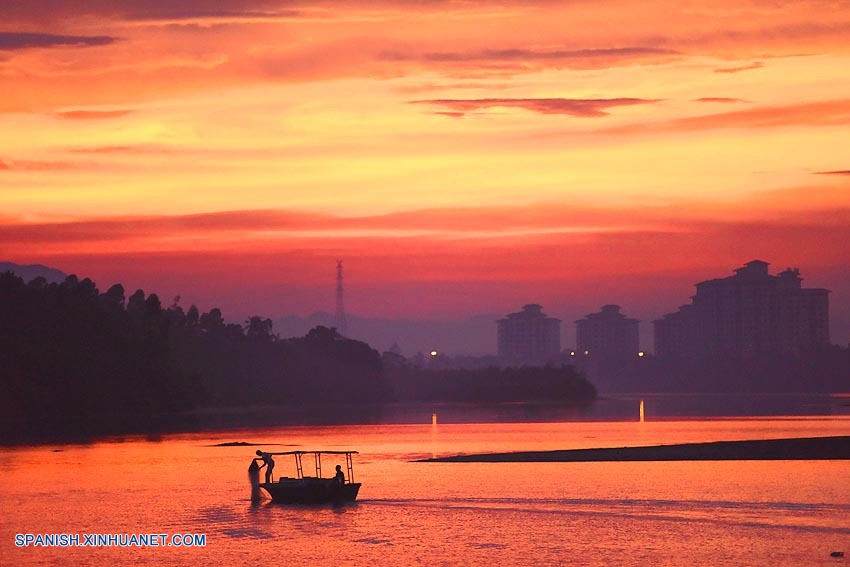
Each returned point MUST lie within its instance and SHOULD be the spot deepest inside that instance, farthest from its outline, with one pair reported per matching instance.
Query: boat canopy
(317, 455)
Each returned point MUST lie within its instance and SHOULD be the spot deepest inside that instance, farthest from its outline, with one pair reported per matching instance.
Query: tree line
(68, 349)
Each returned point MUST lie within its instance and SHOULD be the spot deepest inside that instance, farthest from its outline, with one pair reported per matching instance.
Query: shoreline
(793, 449)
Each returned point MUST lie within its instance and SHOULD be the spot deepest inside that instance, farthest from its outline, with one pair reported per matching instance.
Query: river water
(410, 513)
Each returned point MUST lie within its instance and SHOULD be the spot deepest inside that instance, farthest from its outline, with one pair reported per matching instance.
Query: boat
(302, 489)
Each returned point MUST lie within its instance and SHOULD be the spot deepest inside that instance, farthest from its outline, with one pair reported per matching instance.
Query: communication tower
(339, 318)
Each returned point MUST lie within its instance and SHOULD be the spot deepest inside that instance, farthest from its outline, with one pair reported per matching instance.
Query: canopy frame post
(298, 466)
(349, 463)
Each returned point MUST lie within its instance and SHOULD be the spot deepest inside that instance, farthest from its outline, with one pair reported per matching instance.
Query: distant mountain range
(473, 336)
(32, 271)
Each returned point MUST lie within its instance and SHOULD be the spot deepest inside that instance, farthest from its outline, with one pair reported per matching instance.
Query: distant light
(572, 353)
(586, 352)
(641, 354)
(433, 353)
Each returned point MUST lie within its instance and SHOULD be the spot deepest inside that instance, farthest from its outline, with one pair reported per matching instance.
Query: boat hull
(306, 491)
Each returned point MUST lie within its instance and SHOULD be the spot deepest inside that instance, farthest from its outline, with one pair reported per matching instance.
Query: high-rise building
(529, 336)
(676, 333)
(608, 334)
(751, 311)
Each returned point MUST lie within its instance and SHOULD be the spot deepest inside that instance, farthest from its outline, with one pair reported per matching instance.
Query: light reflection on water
(675, 513)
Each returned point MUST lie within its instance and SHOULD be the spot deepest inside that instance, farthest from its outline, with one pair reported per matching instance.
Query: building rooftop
(529, 311)
(608, 312)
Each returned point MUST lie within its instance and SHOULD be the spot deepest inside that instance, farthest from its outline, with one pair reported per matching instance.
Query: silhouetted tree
(212, 321)
(259, 329)
(115, 295)
(192, 316)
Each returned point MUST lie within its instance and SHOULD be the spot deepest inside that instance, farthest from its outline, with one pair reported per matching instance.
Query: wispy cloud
(204, 12)
(584, 108)
(20, 40)
(124, 228)
(837, 172)
(780, 206)
(823, 113)
(524, 54)
(740, 69)
(92, 114)
(129, 10)
(532, 54)
(210, 17)
(104, 150)
(467, 85)
(30, 165)
(719, 99)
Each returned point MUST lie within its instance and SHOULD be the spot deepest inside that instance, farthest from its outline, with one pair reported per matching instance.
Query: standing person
(340, 476)
(268, 462)
(254, 478)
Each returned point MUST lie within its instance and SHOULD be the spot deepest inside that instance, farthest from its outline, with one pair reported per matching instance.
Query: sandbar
(797, 449)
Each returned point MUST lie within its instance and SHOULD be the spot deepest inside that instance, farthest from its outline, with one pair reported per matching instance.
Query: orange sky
(461, 156)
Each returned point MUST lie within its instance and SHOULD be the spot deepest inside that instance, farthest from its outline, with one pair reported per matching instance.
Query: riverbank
(798, 449)
(89, 428)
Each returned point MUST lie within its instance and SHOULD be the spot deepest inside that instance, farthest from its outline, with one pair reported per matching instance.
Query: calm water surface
(680, 513)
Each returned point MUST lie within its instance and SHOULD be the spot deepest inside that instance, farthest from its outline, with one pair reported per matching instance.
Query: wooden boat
(302, 489)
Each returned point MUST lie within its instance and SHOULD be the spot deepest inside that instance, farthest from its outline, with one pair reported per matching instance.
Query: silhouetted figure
(339, 478)
(268, 462)
(254, 478)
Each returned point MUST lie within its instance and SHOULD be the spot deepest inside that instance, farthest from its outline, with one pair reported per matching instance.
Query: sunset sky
(462, 157)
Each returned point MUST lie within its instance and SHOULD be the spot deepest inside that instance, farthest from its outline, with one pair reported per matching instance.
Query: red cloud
(756, 65)
(283, 229)
(22, 40)
(521, 59)
(105, 150)
(585, 108)
(92, 114)
(824, 113)
(720, 99)
(23, 165)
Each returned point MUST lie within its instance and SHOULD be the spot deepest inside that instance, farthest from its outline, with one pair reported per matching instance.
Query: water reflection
(614, 408)
(737, 512)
